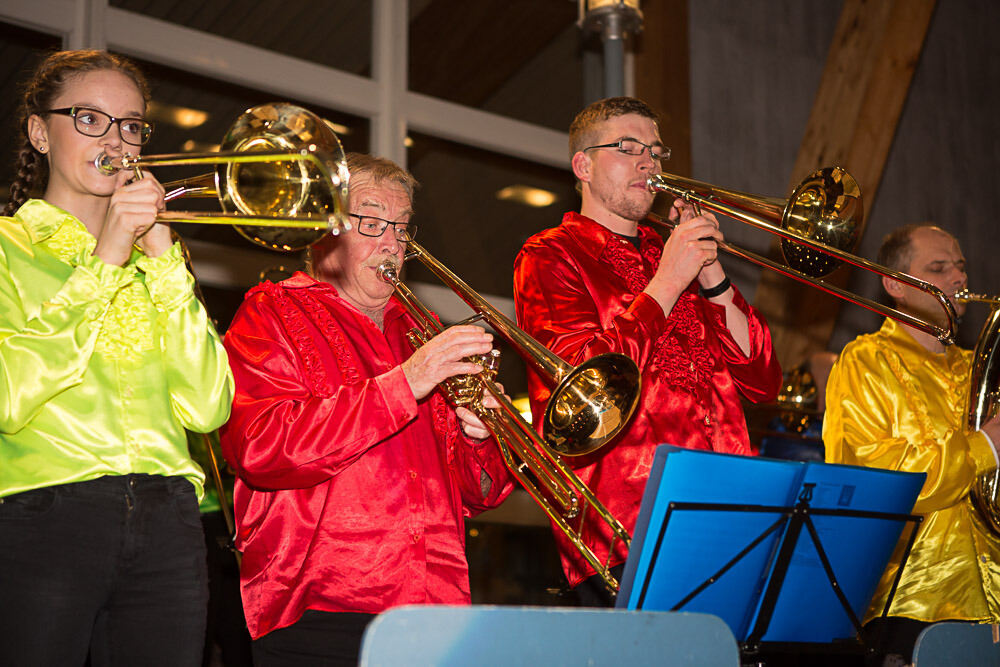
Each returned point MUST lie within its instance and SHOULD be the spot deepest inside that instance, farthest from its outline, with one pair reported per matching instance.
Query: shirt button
(708, 420)
(416, 538)
(692, 366)
(413, 474)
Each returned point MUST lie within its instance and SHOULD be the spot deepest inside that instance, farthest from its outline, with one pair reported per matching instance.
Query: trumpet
(592, 403)
(280, 178)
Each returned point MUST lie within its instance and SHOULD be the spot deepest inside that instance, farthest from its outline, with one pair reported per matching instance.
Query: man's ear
(581, 166)
(893, 288)
(38, 133)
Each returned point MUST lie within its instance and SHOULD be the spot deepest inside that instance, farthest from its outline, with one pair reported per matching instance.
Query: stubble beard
(629, 205)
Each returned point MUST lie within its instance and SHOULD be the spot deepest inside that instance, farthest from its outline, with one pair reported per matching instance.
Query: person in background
(896, 400)
(106, 357)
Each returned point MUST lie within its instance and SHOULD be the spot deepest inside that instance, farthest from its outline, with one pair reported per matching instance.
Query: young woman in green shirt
(106, 357)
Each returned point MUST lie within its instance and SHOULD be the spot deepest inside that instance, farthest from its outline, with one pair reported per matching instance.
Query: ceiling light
(527, 195)
(337, 127)
(192, 146)
(182, 117)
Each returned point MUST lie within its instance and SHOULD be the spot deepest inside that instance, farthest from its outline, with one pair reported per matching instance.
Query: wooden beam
(874, 52)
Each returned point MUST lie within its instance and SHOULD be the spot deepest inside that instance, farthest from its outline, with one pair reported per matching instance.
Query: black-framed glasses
(94, 123)
(630, 146)
(369, 225)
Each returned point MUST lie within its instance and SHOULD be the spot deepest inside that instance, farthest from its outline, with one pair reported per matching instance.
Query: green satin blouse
(102, 367)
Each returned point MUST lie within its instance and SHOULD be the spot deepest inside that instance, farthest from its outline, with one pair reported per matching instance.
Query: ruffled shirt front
(892, 404)
(102, 368)
(578, 291)
(351, 494)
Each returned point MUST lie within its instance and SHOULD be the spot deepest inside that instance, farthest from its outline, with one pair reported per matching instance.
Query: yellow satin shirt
(892, 404)
(102, 368)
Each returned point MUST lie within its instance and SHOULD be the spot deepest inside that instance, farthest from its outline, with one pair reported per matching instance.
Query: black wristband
(712, 292)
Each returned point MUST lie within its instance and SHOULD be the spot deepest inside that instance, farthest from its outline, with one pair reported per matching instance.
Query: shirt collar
(41, 219)
(594, 237)
(903, 341)
(302, 280)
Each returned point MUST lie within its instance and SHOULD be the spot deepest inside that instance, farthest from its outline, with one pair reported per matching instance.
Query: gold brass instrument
(589, 404)
(280, 178)
(822, 215)
(598, 397)
(984, 404)
(819, 225)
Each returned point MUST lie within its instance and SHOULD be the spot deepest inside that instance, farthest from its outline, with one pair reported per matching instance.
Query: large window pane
(497, 56)
(335, 33)
(466, 224)
(194, 113)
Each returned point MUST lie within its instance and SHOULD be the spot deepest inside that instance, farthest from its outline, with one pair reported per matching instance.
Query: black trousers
(592, 592)
(113, 567)
(318, 639)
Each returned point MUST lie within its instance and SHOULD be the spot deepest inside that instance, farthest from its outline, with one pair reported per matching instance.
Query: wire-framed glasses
(630, 146)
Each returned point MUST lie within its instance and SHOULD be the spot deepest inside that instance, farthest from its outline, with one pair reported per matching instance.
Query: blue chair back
(952, 644)
(504, 636)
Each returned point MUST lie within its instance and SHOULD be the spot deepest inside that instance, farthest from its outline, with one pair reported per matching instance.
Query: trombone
(280, 178)
(590, 405)
(819, 225)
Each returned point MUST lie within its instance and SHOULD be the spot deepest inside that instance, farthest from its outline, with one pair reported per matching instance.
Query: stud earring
(42, 149)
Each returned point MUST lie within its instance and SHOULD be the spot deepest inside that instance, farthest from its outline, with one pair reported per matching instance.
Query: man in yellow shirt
(896, 399)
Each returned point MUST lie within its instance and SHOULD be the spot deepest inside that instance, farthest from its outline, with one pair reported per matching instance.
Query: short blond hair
(583, 129)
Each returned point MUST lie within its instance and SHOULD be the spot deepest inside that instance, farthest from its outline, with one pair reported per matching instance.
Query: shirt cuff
(400, 404)
(169, 282)
(649, 312)
(93, 281)
(981, 450)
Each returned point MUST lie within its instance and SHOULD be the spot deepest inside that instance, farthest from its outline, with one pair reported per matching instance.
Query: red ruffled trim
(297, 323)
(679, 355)
(342, 352)
(445, 425)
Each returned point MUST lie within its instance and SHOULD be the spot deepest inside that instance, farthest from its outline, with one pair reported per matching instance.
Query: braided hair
(32, 173)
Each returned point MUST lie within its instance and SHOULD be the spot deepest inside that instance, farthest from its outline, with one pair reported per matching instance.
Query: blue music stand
(784, 552)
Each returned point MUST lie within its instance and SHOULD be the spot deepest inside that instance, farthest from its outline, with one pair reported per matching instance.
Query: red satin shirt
(350, 494)
(578, 291)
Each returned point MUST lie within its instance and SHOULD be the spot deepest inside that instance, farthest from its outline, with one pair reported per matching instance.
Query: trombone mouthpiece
(388, 271)
(104, 164)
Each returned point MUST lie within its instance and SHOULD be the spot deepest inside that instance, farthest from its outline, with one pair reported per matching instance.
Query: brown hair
(583, 129)
(896, 251)
(32, 173)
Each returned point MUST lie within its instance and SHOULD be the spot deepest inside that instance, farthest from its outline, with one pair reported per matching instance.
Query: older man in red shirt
(354, 474)
(601, 282)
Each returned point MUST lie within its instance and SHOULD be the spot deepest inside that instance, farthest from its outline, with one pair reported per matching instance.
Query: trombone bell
(280, 177)
(826, 207)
